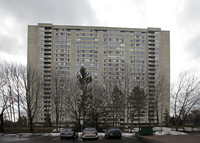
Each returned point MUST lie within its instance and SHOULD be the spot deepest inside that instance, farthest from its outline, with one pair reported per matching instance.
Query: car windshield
(67, 130)
(89, 129)
(114, 129)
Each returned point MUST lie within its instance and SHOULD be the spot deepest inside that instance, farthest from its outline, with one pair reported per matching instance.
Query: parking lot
(49, 139)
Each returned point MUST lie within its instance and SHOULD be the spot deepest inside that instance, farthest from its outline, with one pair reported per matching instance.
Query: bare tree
(58, 87)
(115, 98)
(4, 94)
(4, 105)
(73, 100)
(128, 115)
(98, 110)
(193, 118)
(31, 85)
(116, 105)
(18, 88)
(162, 100)
(185, 96)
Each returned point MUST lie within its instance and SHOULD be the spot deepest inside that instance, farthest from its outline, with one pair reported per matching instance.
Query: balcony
(47, 37)
(47, 45)
(47, 67)
(47, 56)
(47, 33)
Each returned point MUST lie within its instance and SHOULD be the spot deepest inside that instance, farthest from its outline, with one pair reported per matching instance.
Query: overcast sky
(180, 17)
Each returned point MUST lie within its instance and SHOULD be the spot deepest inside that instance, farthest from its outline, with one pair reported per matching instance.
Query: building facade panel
(108, 54)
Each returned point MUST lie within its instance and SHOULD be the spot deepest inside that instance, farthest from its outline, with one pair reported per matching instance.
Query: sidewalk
(191, 138)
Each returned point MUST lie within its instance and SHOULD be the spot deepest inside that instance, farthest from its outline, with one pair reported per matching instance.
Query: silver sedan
(90, 133)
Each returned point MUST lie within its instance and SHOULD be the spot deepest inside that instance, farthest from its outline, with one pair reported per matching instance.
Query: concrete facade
(108, 53)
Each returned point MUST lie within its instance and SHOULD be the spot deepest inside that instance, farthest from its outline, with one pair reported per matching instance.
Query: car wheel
(61, 138)
(120, 137)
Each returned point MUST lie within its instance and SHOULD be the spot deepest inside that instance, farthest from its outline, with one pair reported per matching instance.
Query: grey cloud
(193, 47)
(190, 13)
(31, 12)
(188, 21)
(8, 44)
(62, 11)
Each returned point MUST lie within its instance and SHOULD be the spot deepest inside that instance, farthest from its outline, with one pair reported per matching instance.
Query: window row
(113, 39)
(137, 74)
(86, 55)
(137, 61)
(114, 64)
(137, 69)
(87, 64)
(63, 55)
(137, 36)
(62, 34)
(62, 38)
(86, 38)
(87, 68)
(63, 50)
(86, 30)
(62, 68)
(62, 46)
(86, 47)
(113, 52)
(87, 34)
(88, 43)
(62, 29)
(113, 77)
(87, 60)
(113, 48)
(137, 78)
(113, 69)
(63, 72)
(138, 45)
(137, 40)
(62, 59)
(63, 42)
(137, 49)
(113, 60)
(113, 56)
(137, 66)
(137, 53)
(113, 35)
(63, 63)
(113, 73)
(86, 51)
(137, 57)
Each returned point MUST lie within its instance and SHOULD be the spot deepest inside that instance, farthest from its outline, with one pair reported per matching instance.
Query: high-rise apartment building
(108, 53)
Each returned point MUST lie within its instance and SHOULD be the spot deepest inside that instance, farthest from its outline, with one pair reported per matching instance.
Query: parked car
(89, 133)
(68, 133)
(113, 132)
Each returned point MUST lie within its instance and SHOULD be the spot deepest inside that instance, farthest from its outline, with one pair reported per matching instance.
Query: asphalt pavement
(48, 139)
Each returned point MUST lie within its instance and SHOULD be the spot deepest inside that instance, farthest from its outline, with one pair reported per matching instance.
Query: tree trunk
(19, 113)
(139, 122)
(2, 123)
(31, 125)
(157, 117)
(57, 118)
(177, 122)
